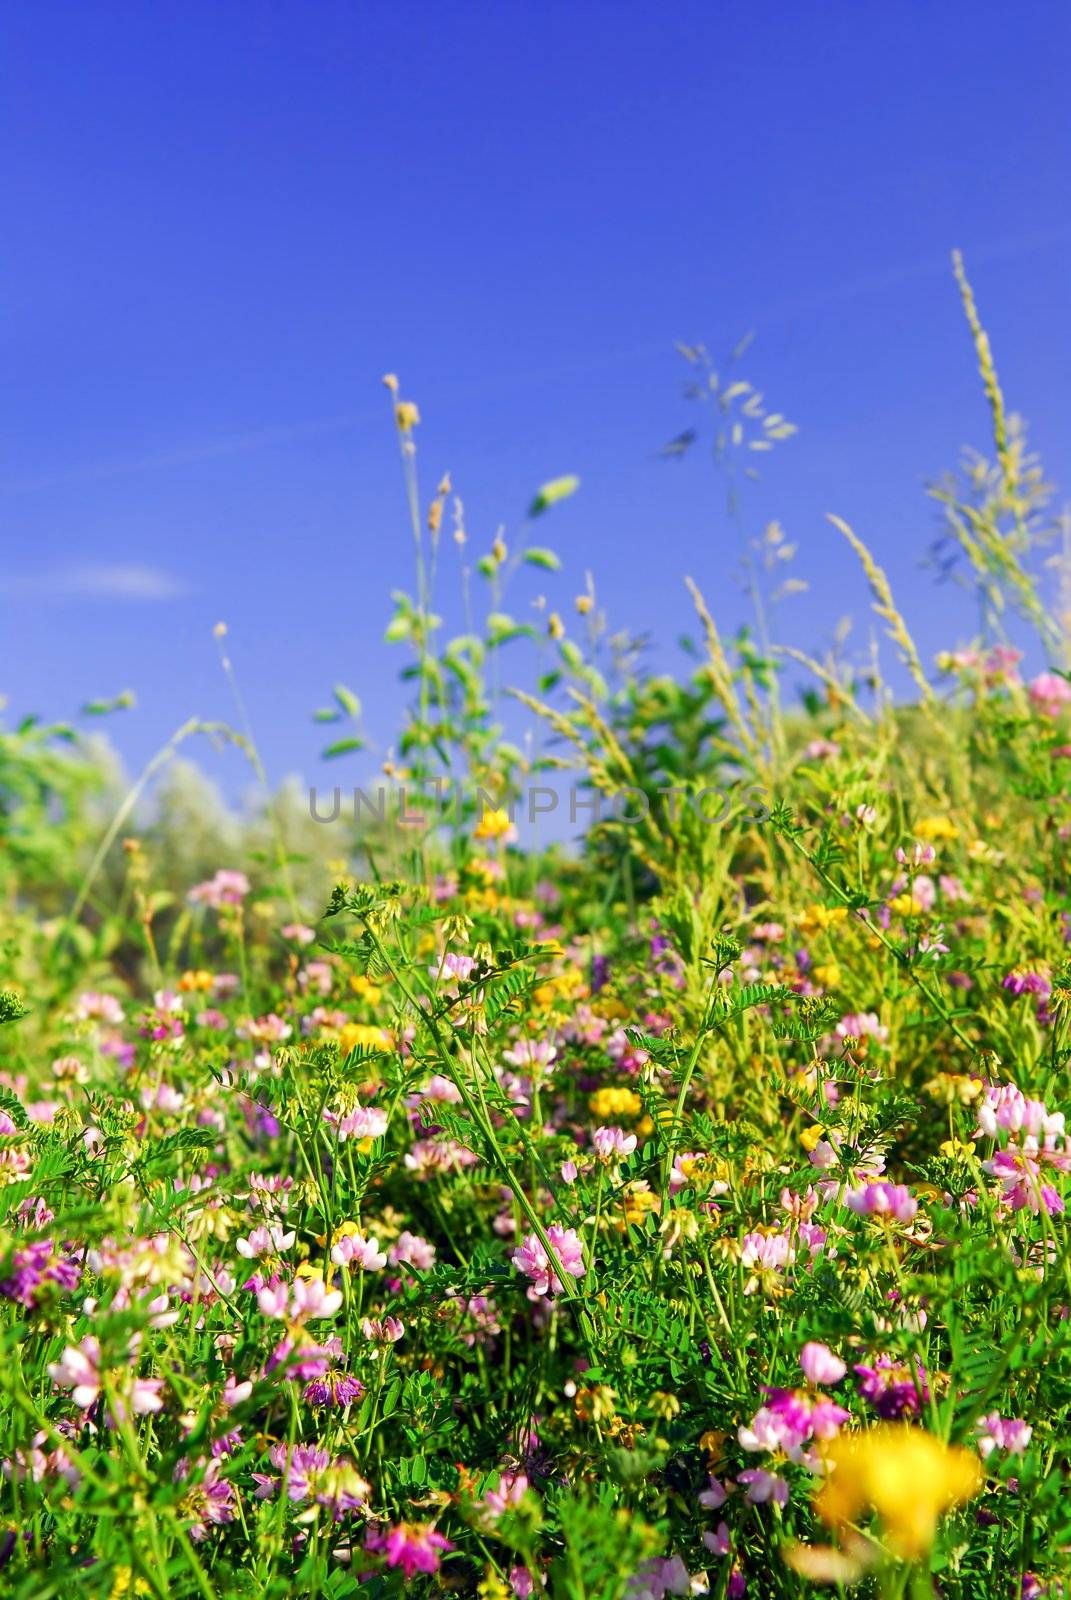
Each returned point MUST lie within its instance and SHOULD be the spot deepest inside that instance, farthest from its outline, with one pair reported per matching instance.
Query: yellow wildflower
(362, 1036)
(609, 1103)
(191, 982)
(595, 1404)
(827, 973)
(908, 1476)
(406, 415)
(933, 829)
(953, 1088)
(810, 1137)
(817, 917)
(124, 1583)
(638, 1201)
(365, 989)
(610, 1009)
(493, 825)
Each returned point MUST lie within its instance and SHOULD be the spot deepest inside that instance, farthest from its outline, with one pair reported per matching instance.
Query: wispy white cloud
(196, 454)
(130, 581)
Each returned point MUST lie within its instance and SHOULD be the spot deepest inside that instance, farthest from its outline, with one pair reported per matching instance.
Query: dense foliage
(682, 1216)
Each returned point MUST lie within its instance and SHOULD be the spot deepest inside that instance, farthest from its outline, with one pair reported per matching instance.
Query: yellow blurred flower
(493, 825)
(818, 917)
(406, 415)
(595, 1404)
(608, 1103)
(362, 1036)
(194, 981)
(637, 1204)
(933, 829)
(569, 984)
(810, 1137)
(827, 973)
(124, 1583)
(909, 1477)
(365, 988)
(953, 1088)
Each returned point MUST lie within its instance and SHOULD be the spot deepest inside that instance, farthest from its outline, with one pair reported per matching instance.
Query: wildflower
(922, 855)
(226, 888)
(495, 824)
(406, 415)
(310, 1473)
(820, 1365)
(909, 1478)
(883, 1199)
(714, 1495)
(362, 1036)
(934, 830)
(431, 1157)
(194, 982)
(532, 1259)
(657, 1578)
(79, 1370)
(695, 1168)
(333, 1388)
(821, 750)
(1027, 983)
(817, 918)
(1003, 1433)
(615, 1102)
(359, 1122)
(264, 1241)
(35, 1269)
(1049, 694)
(507, 1493)
(307, 1301)
(211, 1502)
(861, 1025)
(895, 1389)
(413, 1546)
(613, 1144)
(38, 1464)
(1019, 1169)
(385, 1331)
(94, 1007)
(1006, 1108)
(409, 1249)
(763, 1486)
(349, 1248)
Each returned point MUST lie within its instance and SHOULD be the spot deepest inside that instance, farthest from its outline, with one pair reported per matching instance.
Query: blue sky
(226, 221)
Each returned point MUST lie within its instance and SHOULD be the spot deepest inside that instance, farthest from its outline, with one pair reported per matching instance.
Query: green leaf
(538, 556)
(549, 495)
(347, 700)
(341, 747)
(101, 708)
